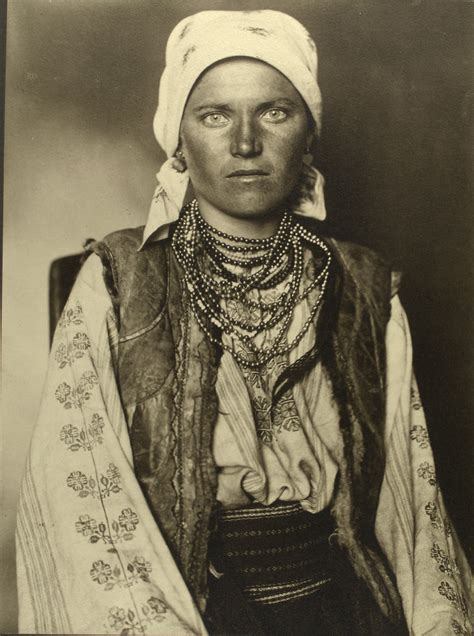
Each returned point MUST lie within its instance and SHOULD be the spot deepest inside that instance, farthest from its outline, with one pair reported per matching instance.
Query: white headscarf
(196, 43)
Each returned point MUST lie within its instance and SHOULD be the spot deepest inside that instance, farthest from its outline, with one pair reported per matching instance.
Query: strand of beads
(275, 247)
(208, 288)
(221, 270)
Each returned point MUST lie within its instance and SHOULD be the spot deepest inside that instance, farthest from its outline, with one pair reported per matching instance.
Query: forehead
(242, 78)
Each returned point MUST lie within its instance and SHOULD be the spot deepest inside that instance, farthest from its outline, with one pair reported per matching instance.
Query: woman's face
(243, 135)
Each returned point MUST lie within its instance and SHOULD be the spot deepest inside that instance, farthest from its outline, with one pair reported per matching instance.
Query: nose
(246, 139)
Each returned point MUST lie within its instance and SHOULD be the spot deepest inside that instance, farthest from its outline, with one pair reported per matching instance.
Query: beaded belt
(276, 553)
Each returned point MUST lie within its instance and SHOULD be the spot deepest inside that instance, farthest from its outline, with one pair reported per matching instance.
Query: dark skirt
(279, 571)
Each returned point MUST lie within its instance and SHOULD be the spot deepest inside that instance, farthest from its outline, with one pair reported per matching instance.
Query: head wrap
(203, 39)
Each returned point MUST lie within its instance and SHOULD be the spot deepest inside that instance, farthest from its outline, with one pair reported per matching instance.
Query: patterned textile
(277, 553)
(279, 570)
(90, 555)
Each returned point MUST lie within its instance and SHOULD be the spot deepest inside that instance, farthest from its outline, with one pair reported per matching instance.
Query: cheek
(288, 157)
(202, 155)
(288, 147)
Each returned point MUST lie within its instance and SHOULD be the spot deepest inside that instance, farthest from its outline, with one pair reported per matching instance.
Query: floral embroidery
(459, 629)
(63, 392)
(96, 427)
(77, 480)
(122, 530)
(76, 397)
(114, 475)
(61, 355)
(432, 512)
(261, 409)
(420, 435)
(86, 526)
(118, 619)
(457, 600)
(68, 434)
(137, 570)
(245, 352)
(85, 486)
(285, 414)
(252, 376)
(447, 527)
(269, 296)
(128, 519)
(71, 316)
(436, 522)
(426, 471)
(75, 439)
(415, 399)
(264, 432)
(108, 577)
(238, 311)
(445, 563)
(277, 364)
(140, 568)
(157, 605)
(261, 406)
(101, 572)
(74, 350)
(126, 622)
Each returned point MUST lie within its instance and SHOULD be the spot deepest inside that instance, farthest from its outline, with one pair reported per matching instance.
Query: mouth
(247, 175)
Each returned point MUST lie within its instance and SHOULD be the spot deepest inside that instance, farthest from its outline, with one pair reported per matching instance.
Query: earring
(179, 162)
(307, 157)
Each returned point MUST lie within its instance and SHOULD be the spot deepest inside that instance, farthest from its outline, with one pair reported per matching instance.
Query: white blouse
(91, 558)
(298, 464)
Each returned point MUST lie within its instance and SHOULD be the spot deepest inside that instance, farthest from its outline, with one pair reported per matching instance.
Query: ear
(310, 137)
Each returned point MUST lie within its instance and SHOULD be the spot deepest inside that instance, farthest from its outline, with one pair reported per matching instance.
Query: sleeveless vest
(167, 369)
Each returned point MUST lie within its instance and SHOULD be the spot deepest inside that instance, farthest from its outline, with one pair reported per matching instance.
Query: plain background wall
(396, 77)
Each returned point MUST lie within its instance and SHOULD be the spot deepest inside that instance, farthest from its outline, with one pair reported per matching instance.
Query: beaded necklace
(221, 270)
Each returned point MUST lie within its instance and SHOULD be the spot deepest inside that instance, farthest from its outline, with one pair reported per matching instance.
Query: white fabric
(91, 559)
(207, 37)
(298, 465)
(203, 39)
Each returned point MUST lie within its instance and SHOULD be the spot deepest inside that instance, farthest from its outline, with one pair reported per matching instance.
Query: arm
(412, 524)
(91, 558)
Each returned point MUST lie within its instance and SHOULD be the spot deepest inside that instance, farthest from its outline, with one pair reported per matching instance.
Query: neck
(249, 226)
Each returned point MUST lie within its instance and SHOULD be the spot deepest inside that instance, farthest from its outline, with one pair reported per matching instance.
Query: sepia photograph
(237, 309)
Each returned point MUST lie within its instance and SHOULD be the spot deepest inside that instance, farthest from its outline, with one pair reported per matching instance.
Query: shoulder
(128, 238)
(122, 251)
(133, 273)
(356, 257)
(365, 264)
(362, 269)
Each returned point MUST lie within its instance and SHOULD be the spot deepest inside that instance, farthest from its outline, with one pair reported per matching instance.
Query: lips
(248, 173)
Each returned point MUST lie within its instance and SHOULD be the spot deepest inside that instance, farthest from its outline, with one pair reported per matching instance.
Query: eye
(275, 115)
(215, 120)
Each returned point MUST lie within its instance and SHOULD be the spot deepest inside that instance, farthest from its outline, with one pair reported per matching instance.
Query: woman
(231, 440)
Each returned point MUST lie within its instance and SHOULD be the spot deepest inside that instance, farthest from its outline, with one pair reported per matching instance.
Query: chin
(254, 206)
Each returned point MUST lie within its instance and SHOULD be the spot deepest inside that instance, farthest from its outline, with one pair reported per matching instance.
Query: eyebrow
(227, 107)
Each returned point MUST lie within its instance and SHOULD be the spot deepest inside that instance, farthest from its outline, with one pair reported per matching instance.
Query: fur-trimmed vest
(166, 372)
